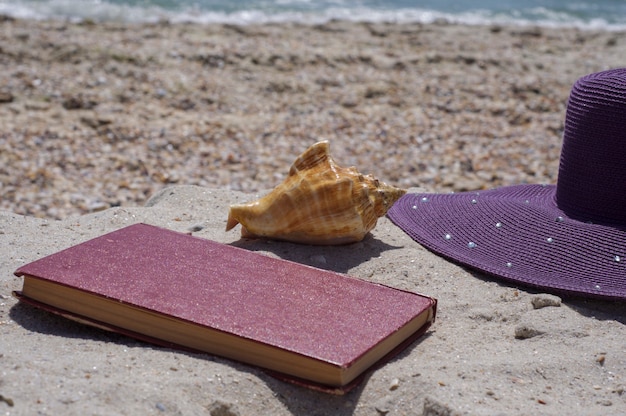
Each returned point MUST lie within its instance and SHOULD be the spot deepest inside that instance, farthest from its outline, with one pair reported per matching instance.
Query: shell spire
(318, 203)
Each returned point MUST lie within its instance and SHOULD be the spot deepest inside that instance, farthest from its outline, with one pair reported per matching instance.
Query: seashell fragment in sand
(318, 203)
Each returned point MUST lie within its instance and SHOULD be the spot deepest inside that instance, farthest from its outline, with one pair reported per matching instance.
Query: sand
(102, 115)
(104, 125)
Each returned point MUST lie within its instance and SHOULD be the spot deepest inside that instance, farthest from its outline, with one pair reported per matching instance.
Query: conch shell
(318, 203)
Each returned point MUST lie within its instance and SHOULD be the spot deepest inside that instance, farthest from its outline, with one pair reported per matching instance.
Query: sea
(586, 14)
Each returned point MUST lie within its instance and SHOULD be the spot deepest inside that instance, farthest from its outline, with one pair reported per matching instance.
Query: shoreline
(129, 15)
(97, 115)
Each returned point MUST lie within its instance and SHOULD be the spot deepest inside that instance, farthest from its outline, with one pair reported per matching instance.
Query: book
(314, 327)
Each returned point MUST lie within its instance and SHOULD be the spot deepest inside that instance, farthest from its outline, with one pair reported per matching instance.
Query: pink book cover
(316, 313)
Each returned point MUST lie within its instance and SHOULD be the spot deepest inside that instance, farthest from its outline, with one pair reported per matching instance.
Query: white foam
(101, 10)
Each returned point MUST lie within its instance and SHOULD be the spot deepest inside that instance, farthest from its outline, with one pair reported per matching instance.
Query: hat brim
(518, 233)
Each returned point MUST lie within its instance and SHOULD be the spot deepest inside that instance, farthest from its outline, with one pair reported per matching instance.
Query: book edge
(312, 385)
(324, 388)
(330, 369)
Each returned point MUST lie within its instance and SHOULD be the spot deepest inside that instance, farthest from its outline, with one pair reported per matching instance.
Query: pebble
(9, 402)
(395, 383)
(543, 300)
(222, 408)
(6, 97)
(434, 407)
(196, 228)
(319, 258)
(525, 331)
(483, 314)
(384, 405)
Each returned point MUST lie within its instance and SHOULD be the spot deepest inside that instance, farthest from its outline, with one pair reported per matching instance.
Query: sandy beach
(101, 115)
(106, 124)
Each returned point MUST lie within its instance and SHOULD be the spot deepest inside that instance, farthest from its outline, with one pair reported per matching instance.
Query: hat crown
(592, 172)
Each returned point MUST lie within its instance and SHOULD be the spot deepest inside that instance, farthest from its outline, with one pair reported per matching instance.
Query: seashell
(318, 203)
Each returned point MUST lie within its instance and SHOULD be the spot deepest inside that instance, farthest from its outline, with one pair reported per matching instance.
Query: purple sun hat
(569, 237)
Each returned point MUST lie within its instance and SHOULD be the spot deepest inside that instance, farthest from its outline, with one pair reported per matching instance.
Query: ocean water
(590, 14)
